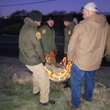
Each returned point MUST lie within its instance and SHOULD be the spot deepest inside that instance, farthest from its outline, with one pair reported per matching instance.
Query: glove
(55, 52)
(50, 58)
(65, 54)
(43, 60)
(43, 63)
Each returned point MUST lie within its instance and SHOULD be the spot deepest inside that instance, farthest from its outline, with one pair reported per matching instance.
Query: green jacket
(67, 33)
(30, 50)
(48, 38)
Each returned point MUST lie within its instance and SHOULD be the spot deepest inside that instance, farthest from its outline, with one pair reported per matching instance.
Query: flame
(63, 75)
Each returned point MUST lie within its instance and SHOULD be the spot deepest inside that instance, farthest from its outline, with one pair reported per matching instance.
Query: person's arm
(38, 48)
(107, 48)
(54, 44)
(73, 42)
(65, 41)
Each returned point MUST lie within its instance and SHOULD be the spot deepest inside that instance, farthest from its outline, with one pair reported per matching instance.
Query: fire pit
(60, 73)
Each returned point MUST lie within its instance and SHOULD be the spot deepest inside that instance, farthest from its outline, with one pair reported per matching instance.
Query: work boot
(70, 107)
(52, 102)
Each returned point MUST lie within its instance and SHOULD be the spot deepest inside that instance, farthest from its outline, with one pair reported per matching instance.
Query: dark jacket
(30, 50)
(67, 33)
(48, 38)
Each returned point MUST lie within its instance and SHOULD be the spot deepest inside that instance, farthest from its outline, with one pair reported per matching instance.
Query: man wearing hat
(85, 51)
(68, 30)
(48, 40)
(32, 56)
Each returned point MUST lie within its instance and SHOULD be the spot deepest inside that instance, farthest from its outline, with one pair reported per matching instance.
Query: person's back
(85, 51)
(91, 42)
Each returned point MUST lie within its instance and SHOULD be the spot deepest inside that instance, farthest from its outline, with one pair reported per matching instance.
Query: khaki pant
(41, 81)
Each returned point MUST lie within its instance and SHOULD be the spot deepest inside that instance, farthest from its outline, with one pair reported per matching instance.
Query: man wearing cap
(85, 51)
(32, 56)
(68, 30)
(48, 40)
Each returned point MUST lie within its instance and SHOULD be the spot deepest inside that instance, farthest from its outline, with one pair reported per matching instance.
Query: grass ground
(19, 97)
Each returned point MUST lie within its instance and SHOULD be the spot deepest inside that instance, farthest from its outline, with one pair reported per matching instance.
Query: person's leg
(67, 83)
(43, 83)
(76, 78)
(35, 83)
(89, 85)
(36, 88)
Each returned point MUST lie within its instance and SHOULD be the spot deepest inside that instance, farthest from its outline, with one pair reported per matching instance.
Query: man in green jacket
(32, 56)
(48, 40)
(68, 30)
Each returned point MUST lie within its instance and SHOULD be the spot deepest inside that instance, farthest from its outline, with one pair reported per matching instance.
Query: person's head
(89, 10)
(50, 21)
(36, 16)
(67, 20)
(66, 23)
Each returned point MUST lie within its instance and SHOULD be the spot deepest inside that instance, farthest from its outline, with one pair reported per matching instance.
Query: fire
(63, 75)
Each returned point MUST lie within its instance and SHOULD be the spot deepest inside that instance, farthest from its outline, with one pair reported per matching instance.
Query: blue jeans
(77, 76)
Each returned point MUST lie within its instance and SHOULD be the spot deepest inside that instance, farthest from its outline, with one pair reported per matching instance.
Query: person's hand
(64, 61)
(70, 61)
(43, 60)
(50, 58)
(65, 54)
(43, 63)
(55, 51)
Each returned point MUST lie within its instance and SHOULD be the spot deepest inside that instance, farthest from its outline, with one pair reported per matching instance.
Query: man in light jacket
(85, 51)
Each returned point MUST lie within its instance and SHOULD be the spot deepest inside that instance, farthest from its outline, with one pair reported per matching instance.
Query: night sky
(47, 6)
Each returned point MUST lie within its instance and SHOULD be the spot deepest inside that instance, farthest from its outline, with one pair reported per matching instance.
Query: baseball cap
(68, 17)
(50, 17)
(35, 15)
(91, 6)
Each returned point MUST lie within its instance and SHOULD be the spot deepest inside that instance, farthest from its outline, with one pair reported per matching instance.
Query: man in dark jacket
(68, 30)
(48, 40)
(32, 56)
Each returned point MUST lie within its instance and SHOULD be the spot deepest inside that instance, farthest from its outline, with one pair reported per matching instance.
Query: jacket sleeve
(45, 38)
(38, 48)
(65, 41)
(73, 42)
(107, 49)
(54, 44)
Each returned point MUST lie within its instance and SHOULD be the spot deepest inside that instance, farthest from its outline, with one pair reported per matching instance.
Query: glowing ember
(64, 74)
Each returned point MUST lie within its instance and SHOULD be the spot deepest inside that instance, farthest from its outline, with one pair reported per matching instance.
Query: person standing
(48, 40)
(68, 30)
(85, 51)
(32, 56)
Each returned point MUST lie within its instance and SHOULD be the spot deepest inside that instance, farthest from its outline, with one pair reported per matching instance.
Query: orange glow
(63, 75)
